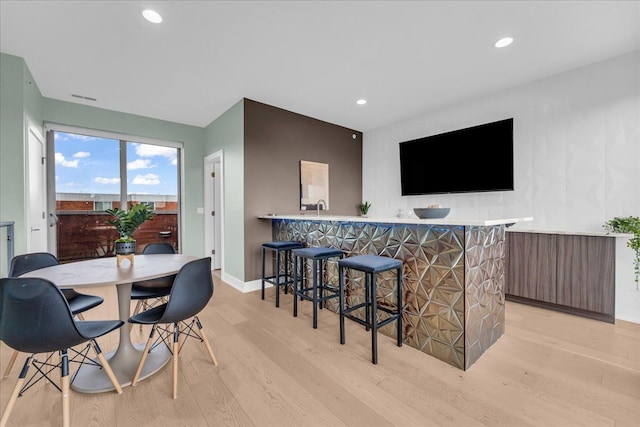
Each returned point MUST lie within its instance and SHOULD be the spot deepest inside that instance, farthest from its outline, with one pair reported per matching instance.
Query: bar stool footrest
(355, 307)
(388, 320)
(394, 316)
(283, 280)
(319, 299)
(358, 320)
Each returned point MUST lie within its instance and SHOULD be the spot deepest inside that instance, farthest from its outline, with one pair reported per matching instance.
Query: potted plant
(127, 222)
(364, 208)
(631, 225)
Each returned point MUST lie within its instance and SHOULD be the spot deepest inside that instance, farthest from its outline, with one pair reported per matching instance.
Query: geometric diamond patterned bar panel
(453, 279)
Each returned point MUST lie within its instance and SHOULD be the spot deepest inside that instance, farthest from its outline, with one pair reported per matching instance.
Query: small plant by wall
(364, 208)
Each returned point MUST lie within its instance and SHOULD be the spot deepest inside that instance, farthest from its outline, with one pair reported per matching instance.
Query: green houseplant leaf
(127, 222)
(364, 207)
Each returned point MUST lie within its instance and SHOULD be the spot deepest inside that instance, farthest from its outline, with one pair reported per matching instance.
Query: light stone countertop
(434, 221)
(575, 233)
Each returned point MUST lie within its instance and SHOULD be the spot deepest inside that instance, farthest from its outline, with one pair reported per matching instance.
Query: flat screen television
(475, 159)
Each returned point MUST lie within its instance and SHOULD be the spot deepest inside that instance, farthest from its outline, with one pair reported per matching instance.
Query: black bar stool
(371, 265)
(319, 256)
(279, 279)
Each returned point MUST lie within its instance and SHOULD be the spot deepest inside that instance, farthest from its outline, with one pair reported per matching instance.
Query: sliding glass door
(95, 173)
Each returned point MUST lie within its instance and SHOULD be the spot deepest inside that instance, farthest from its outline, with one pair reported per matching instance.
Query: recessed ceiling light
(152, 16)
(361, 101)
(504, 42)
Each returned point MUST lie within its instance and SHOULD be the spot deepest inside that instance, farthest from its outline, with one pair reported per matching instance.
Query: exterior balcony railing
(86, 234)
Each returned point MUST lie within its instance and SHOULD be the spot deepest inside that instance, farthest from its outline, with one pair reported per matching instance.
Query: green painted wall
(72, 114)
(226, 133)
(20, 99)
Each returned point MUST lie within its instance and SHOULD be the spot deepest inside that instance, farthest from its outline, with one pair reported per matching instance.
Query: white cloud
(79, 137)
(60, 160)
(70, 184)
(63, 136)
(140, 164)
(101, 180)
(148, 150)
(174, 162)
(148, 179)
(81, 155)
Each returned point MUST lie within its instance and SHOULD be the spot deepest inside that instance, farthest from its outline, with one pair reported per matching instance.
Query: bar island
(453, 274)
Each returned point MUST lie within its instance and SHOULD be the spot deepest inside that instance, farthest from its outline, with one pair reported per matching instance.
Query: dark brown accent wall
(275, 140)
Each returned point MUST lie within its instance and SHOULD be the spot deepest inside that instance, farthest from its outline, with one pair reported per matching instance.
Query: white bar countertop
(414, 220)
(575, 233)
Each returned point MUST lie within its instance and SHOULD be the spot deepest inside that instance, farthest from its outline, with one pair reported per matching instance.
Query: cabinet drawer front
(586, 273)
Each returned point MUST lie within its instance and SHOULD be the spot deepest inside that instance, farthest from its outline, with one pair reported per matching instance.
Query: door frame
(32, 129)
(52, 218)
(214, 233)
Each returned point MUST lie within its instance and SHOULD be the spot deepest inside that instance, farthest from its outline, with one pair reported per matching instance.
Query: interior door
(37, 196)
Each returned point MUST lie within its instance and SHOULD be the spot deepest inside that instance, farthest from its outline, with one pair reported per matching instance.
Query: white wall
(576, 157)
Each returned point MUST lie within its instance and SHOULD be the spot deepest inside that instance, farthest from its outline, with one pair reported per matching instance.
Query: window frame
(51, 127)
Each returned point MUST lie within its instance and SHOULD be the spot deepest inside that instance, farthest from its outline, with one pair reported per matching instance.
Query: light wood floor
(549, 369)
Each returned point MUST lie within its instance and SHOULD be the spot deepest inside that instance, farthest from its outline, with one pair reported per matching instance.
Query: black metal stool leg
(374, 320)
(295, 287)
(341, 284)
(399, 305)
(315, 292)
(286, 270)
(277, 284)
(367, 299)
(263, 254)
(323, 266)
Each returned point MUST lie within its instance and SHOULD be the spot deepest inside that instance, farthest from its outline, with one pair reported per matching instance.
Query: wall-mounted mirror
(314, 186)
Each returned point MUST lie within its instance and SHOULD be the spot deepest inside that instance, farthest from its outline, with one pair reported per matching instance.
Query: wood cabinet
(570, 273)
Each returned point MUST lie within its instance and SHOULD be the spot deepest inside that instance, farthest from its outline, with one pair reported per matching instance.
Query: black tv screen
(474, 159)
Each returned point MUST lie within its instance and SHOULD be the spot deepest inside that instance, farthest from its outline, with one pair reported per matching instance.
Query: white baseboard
(255, 285)
(629, 319)
(243, 287)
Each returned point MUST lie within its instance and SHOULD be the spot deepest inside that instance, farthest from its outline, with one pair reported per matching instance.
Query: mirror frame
(314, 186)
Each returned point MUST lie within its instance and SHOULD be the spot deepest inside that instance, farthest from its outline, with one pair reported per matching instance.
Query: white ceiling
(315, 58)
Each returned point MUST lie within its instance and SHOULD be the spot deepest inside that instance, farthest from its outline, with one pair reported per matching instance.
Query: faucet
(324, 205)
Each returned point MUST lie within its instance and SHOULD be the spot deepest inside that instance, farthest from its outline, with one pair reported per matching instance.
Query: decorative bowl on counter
(426, 213)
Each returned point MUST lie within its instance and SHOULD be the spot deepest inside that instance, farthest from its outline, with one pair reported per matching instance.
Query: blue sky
(86, 164)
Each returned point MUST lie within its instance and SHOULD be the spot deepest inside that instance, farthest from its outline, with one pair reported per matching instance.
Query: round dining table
(105, 272)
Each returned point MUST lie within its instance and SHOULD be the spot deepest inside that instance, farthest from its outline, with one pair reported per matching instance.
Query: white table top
(436, 221)
(104, 271)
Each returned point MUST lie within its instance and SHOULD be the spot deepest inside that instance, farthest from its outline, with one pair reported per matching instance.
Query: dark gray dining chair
(78, 303)
(35, 318)
(191, 291)
(151, 292)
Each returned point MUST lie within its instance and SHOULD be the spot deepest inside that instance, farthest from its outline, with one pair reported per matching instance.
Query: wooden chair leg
(12, 360)
(66, 421)
(80, 316)
(144, 356)
(138, 307)
(15, 392)
(106, 367)
(206, 342)
(176, 349)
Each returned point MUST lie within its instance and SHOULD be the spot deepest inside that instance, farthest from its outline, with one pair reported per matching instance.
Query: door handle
(34, 229)
(55, 220)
